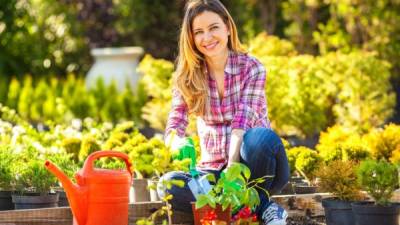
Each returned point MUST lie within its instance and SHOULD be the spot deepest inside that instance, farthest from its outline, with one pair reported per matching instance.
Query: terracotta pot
(222, 216)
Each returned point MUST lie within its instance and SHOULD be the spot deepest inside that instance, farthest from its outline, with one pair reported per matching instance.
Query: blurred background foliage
(329, 61)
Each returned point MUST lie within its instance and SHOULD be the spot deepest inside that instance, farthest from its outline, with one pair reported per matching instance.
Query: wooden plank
(63, 215)
(296, 205)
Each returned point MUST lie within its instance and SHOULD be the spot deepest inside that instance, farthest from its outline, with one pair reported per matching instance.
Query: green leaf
(201, 201)
(246, 171)
(233, 172)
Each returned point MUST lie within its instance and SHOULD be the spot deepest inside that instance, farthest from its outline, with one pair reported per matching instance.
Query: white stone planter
(118, 64)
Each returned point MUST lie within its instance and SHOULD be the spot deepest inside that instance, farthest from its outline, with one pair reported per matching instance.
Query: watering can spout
(76, 194)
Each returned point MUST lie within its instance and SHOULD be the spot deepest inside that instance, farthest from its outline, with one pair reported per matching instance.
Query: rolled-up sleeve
(252, 109)
(178, 116)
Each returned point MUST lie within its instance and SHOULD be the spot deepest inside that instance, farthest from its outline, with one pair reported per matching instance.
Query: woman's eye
(198, 32)
(214, 27)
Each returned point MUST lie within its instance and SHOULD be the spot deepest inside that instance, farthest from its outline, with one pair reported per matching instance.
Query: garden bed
(302, 209)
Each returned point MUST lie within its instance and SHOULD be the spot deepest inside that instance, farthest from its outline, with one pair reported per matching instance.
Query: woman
(225, 88)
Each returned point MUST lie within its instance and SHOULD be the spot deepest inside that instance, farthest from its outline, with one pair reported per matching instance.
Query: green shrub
(31, 174)
(329, 141)
(340, 178)
(72, 145)
(307, 163)
(379, 179)
(384, 143)
(88, 146)
(7, 159)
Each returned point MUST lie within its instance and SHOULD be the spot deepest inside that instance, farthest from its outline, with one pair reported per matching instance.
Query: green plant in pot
(379, 179)
(233, 194)
(33, 182)
(306, 162)
(7, 158)
(339, 178)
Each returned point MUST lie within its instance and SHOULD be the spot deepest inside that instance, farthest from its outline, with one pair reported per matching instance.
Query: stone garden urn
(118, 64)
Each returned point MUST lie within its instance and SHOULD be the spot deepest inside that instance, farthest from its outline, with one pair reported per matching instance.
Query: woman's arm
(177, 117)
(235, 144)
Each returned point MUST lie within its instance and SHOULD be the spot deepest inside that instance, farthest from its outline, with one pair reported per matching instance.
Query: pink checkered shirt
(243, 106)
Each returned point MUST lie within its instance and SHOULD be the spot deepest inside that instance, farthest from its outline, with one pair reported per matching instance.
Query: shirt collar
(232, 66)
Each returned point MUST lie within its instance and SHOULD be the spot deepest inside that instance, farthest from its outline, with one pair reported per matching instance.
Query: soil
(305, 220)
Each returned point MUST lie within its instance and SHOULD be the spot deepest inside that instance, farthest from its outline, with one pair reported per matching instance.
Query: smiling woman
(222, 85)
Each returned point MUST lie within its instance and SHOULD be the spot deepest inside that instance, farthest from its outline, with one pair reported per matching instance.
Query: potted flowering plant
(233, 194)
(379, 179)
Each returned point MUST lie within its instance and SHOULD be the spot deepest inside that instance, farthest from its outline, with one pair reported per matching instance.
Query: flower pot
(338, 212)
(35, 200)
(6, 200)
(114, 64)
(304, 189)
(63, 200)
(153, 192)
(222, 216)
(140, 193)
(288, 189)
(367, 213)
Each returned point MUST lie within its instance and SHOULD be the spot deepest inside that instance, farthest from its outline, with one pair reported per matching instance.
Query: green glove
(183, 148)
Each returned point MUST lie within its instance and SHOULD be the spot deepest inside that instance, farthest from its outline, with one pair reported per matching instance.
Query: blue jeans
(262, 151)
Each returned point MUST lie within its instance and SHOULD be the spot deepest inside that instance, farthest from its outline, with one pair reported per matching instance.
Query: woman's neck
(217, 63)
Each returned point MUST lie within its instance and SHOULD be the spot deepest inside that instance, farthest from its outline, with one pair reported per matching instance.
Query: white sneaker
(274, 215)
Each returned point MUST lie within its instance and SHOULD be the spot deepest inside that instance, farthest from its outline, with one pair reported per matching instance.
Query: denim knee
(173, 175)
(259, 140)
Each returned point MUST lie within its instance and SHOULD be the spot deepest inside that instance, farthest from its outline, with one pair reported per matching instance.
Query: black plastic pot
(338, 212)
(367, 213)
(62, 200)
(304, 189)
(287, 190)
(34, 200)
(6, 200)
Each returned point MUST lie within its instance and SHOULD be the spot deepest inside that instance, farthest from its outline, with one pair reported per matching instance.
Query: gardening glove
(178, 146)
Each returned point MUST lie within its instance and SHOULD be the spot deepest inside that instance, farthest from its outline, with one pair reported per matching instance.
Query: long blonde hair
(190, 77)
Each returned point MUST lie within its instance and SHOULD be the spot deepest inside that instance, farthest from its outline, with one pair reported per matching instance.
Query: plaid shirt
(243, 106)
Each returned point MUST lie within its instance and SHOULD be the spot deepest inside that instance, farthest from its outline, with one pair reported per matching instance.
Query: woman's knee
(165, 179)
(260, 140)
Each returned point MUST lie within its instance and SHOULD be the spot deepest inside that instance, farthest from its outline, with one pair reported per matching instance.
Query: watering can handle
(88, 166)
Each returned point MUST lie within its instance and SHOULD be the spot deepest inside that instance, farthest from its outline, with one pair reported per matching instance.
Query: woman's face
(210, 34)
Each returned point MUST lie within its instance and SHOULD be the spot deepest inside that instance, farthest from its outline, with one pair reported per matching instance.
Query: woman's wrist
(234, 147)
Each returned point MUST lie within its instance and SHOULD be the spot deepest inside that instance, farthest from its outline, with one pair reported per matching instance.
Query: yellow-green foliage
(329, 141)
(157, 81)
(88, 146)
(305, 161)
(292, 155)
(267, 45)
(365, 98)
(306, 94)
(72, 145)
(385, 144)
(354, 149)
(340, 178)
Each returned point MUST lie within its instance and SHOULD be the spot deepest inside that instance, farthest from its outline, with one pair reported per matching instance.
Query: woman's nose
(207, 36)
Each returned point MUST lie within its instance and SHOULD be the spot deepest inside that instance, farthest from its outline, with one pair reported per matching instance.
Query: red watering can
(100, 196)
